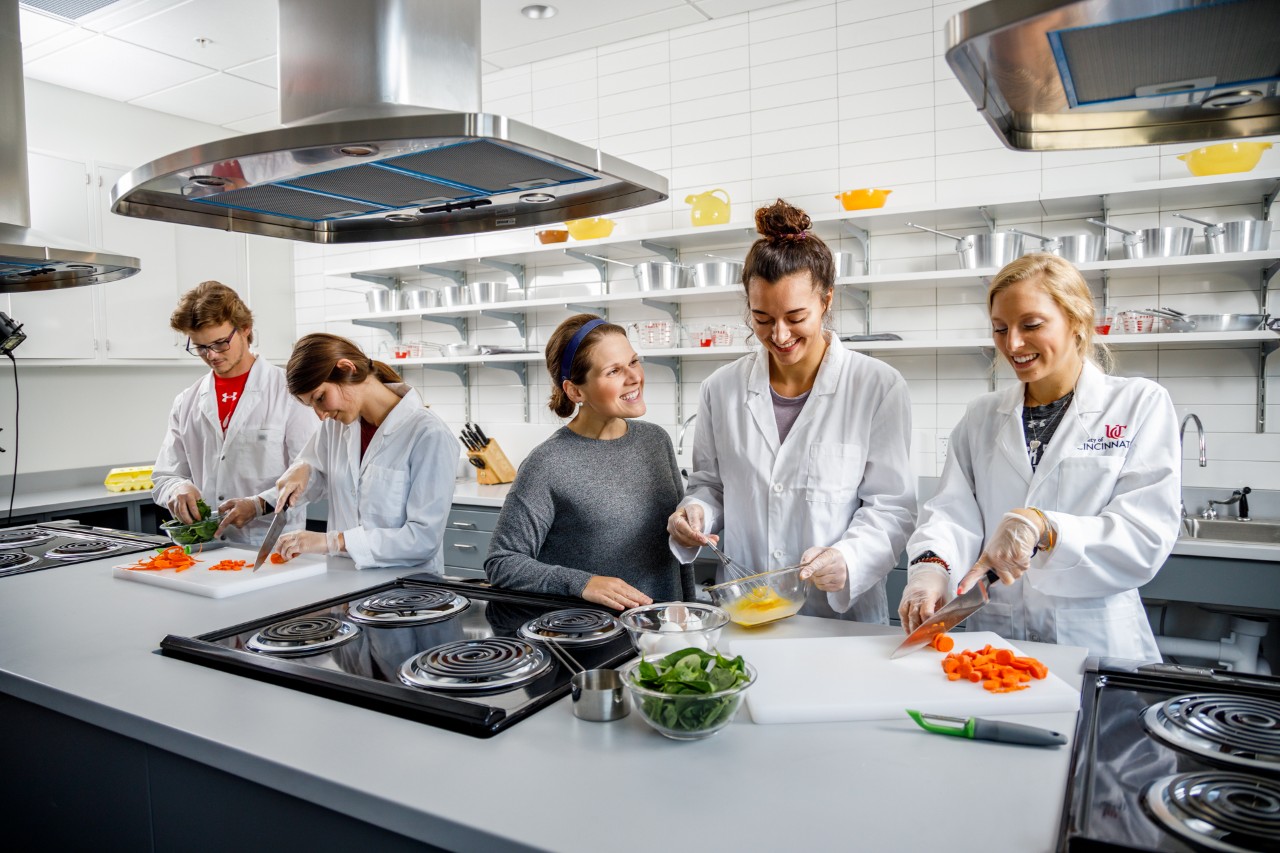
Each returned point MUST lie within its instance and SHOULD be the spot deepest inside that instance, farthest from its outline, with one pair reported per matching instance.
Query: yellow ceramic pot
(863, 199)
(589, 229)
(708, 209)
(1225, 158)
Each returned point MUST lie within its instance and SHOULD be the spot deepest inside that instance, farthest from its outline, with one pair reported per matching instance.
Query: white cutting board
(829, 679)
(198, 580)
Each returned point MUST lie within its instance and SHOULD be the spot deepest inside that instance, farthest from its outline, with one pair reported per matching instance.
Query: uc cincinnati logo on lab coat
(1114, 438)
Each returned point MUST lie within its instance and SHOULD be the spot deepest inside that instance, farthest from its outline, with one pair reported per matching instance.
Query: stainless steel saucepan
(655, 275)
(979, 251)
(1171, 242)
(717, 273)
(1076, 248)
(1240, 235)
(1179, 322)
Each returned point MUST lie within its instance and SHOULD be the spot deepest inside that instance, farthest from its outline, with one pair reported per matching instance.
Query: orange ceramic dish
(863, 199)
(556, 235)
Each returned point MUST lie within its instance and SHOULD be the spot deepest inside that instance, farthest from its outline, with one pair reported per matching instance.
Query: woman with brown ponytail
(584, 516)
(801, 452)
(385, 463)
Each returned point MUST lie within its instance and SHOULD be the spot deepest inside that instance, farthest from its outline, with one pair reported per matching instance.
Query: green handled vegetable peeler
(976, 728)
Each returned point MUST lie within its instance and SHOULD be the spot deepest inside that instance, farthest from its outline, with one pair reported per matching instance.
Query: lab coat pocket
(1086, 483)
(834, 472)
(1117, 628)
(259, 454)
(384, 495)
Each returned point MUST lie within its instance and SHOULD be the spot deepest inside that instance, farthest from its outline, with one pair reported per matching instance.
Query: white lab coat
(842, 478)
(1109, 481)
(392, 505)
(267, 429)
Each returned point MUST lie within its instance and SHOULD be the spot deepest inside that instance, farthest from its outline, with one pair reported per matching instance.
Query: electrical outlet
(942, 449)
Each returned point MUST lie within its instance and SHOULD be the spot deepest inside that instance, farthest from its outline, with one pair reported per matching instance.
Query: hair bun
(782, 221)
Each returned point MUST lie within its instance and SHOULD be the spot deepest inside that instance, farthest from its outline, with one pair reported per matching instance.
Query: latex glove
(292, 484)
(685, 527)
(238, 512)
(614, 592)
(297, 542)
(1008, 551)
(827, 568)
(183, 503)
(925, 592)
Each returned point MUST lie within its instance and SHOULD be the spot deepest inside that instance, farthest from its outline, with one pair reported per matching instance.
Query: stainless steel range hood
(1049, 74)
(30, 260)
(383, 141)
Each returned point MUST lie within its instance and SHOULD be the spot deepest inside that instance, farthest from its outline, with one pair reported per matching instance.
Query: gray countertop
(65, 498)
(828, 785)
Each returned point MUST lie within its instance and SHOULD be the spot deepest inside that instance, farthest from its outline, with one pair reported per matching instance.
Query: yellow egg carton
(128, 479)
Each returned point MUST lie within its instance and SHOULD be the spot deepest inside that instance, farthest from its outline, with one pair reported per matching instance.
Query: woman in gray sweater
(587, 512)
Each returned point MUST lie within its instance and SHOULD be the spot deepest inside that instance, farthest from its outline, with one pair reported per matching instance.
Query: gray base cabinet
(70, 785)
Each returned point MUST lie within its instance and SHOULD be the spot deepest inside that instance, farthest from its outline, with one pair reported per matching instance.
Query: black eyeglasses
(201, 350)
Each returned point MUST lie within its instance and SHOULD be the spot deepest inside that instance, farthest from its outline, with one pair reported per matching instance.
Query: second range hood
(1055, 74)
(383, 140)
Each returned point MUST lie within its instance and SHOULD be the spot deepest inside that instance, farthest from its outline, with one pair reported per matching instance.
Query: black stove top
(1174, 758)
(462, 656)
(33, 547)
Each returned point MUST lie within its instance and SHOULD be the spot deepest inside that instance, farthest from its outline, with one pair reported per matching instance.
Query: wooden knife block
(497, 468)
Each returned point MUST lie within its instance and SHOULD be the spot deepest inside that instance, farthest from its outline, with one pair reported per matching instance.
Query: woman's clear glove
(925, 592)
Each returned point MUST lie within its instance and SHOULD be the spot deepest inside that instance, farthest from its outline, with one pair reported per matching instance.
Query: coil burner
(12, 561)
(488, 665)
(573, 626)
(1242, 731)
(1218, 810)
(308, 635)
(82, 549)
(21, 538)
(408, 607)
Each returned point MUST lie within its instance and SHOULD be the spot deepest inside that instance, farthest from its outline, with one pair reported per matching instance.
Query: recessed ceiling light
(538, 12)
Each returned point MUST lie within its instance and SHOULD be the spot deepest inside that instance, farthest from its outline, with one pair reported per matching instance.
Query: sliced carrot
(170, 558)
(228, 566)
(943, 643)
(998, 670)
(277, 559)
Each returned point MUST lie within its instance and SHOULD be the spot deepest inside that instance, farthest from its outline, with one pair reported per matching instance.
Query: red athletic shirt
(229, 392)
(366, 435)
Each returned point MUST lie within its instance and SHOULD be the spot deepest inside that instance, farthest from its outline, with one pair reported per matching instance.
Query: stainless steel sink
(1231, 530)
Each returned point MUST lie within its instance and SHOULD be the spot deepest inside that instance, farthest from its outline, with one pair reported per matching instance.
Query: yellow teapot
(708, 209)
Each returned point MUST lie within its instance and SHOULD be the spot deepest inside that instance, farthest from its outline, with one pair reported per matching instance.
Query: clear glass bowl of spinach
(199, 533)
(689, 694)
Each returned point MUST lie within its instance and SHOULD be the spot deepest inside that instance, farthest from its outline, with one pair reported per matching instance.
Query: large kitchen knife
(273, 536)
(949, 616)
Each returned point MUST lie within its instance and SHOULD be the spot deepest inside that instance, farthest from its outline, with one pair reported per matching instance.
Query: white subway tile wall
(800, 101)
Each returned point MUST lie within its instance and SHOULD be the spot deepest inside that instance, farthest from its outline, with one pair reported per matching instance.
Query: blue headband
(566, 360)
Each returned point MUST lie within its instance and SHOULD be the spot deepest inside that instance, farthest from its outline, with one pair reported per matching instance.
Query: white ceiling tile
(216, 99)
(52, 44)
(124, 12)
(238, 31)
(36, 27)
(266, 121)
(503, 28)
(264, 71)
(112, 69)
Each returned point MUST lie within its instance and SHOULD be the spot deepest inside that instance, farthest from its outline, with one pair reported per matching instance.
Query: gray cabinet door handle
(463, 525)
(464, 547)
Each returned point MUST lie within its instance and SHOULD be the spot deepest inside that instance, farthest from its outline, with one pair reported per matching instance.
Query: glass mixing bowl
(762, 598)
(686, 716)
(663, 628)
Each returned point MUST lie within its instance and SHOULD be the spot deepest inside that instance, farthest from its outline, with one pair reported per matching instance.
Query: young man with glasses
(236, 429)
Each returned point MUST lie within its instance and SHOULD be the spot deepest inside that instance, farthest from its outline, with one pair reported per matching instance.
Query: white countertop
(883, 785)
(1226, 550)
(471, 493)
(62, 498)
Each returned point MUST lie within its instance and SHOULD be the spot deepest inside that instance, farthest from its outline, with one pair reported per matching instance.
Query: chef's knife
(466, 441)
(949, 616)
(484, 439)
(272, 537)
(976, 728)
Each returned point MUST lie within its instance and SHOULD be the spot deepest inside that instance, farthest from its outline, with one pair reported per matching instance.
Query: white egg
(649, 643)
(669, 627)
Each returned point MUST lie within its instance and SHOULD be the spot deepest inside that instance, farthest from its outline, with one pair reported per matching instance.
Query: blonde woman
(1067, 482)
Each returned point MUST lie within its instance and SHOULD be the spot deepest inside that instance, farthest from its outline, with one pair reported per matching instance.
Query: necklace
(1040, 429)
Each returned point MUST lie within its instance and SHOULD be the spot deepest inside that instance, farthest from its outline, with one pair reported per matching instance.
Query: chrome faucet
(684, 427)
(1191, 416)
(1239, 496)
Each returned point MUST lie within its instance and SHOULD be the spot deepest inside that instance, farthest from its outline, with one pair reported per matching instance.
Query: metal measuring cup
(599, 695)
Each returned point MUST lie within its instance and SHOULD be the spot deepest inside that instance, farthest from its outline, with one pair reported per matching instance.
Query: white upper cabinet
(59, 323)
(270, 295)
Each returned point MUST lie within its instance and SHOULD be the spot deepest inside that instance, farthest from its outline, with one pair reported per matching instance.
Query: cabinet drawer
(466, 548)
(471, 519)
